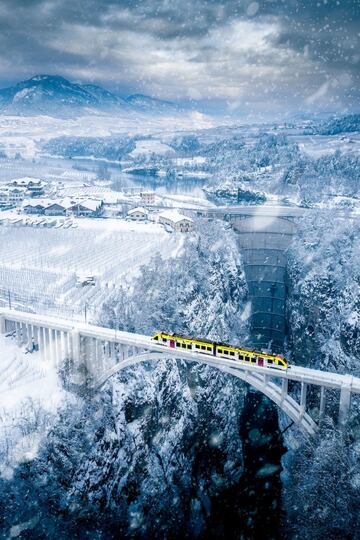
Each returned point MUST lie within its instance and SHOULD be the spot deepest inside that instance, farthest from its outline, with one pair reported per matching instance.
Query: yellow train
(221, 350)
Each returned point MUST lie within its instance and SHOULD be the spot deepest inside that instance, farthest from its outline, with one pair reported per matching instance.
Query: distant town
(33, 202)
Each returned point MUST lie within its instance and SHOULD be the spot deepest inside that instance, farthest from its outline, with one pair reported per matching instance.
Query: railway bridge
(94, 354)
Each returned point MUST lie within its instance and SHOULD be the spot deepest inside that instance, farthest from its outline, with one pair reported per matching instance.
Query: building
(11, 196)
(176, 221)
(32, 186)
(147, 197)
(16, 195)
(56, 209)
(63, 207)
(4, 198)
(86, 208)
(138, 214)
(35, 206)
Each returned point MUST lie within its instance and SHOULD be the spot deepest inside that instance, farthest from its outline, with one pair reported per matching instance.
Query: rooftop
(66, 203)
(174, 216)
(25, 181)
(137, 209)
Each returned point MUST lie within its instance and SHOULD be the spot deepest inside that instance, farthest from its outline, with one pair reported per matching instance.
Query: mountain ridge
(55, 95)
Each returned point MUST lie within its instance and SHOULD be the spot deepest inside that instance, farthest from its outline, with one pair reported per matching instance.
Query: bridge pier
(75, 346)
(284, 388)
(303, 397)
(2, 324)
(345, 401)
(322, 403)
(78, 370)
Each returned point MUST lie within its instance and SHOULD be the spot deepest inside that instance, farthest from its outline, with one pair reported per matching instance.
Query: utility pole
(9, 299)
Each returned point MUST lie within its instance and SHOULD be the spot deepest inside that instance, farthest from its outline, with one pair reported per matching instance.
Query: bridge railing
(98, 352)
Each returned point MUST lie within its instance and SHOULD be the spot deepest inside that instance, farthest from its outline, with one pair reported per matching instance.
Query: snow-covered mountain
(46, 94)
(103, 96)
(148, 103)
(56, 96)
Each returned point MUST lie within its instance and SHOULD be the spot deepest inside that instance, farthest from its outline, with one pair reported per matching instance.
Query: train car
(221, 350)
(184, 342)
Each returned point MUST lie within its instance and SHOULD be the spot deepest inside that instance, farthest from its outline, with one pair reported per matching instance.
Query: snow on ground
(39, 266)
(151, 146)
(319, 145)
(30, 394)
(188, 161)
(97, 191)
(22, 134)
(185, 201)
(45, 170)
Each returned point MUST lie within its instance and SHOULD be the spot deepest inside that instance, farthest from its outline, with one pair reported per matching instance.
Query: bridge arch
(278, 394)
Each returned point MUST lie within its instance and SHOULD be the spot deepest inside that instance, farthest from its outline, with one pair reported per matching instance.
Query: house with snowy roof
(62, 207)
(35, 206)
(4, 198)
(138, 214)
(56, 208)
(16, 195)
(33, 186)
(175, 220)
(86, 208)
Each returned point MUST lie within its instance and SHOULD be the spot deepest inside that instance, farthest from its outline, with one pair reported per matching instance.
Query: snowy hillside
(30, 394)
(322, 476)
(55, 95)
(150, 104)
(164, 437)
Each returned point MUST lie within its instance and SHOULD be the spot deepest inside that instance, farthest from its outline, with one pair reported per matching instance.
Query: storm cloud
(251, 55)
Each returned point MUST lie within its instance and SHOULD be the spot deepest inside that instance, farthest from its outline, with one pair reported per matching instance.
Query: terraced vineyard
(39, 267)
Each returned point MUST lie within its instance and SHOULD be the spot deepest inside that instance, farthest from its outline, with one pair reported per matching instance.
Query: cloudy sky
(249, 55)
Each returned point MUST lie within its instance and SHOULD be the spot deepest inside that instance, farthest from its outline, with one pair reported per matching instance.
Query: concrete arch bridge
(97, 353)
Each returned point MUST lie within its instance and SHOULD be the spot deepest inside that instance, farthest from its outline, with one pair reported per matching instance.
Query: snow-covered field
(196, 160)
(38, 266)
(22, 134)
(320, 145)
(151, 146)
(38, 271)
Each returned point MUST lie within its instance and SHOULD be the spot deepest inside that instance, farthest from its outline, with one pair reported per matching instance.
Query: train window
(164, 340)
(220, 351)
(232, 353)
(156, 338)
(203, 348)
(226, 352)
(197, 346)
(241, 357)
(208, 348)
(269, 361)
(189, 346)
(178, 344)
(253, 360)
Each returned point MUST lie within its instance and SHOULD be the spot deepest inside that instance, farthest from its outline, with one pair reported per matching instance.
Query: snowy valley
(167, 450)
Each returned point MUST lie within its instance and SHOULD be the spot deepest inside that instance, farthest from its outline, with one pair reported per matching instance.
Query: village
(33, 202)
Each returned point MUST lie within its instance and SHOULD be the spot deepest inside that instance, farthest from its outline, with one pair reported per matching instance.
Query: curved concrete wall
(263, 241)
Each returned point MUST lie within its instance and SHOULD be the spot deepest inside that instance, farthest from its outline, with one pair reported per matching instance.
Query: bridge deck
(293, 373)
